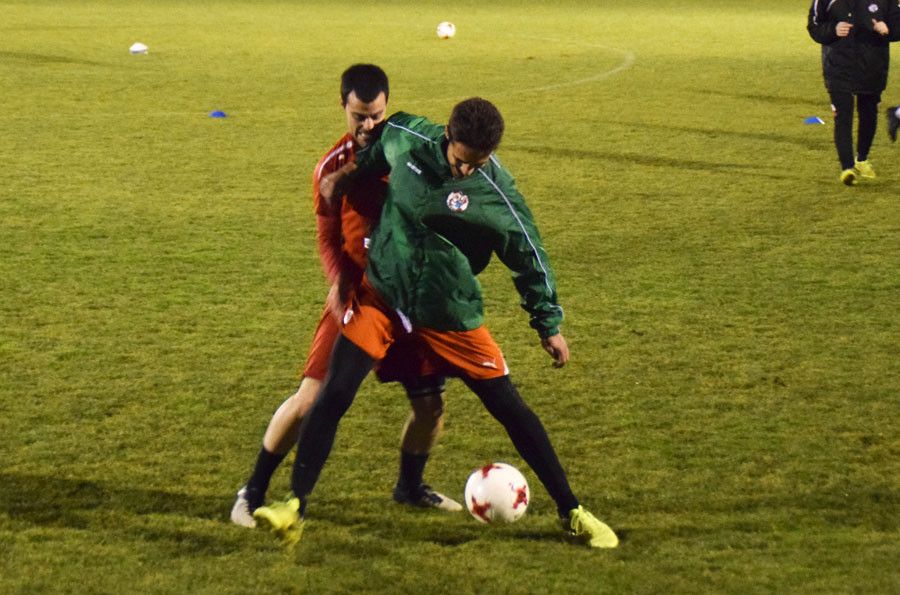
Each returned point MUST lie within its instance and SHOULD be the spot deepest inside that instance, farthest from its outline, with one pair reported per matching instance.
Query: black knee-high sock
(349, 366)
(527, 433)
(258, 484)
(412, 467)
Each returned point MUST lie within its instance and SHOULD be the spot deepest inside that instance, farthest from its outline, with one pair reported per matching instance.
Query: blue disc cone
(813, 120)
(217, 114)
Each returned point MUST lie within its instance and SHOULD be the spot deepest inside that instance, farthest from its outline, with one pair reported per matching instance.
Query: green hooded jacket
(436, 233)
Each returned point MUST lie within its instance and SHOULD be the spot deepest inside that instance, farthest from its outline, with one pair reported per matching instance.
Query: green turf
(734, 312)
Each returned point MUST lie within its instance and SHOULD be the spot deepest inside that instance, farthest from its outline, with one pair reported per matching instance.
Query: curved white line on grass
(628, 60)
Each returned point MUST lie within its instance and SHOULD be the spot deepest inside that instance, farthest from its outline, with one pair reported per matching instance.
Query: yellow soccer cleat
(283, 519)
(595, 532)
(848, 177)
(864, 168)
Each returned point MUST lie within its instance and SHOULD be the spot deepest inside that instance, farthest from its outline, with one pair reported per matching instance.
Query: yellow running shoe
(864, 168)
(848, 177)
(283, 519)
(595, 532)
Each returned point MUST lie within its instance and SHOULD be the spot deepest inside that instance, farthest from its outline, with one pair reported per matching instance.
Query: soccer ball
(446, 30)
(497, 493)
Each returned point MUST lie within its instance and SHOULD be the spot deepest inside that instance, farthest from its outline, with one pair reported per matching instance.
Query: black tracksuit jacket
(859, 62)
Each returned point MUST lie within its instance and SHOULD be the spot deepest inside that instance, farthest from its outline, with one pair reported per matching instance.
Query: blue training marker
(217, 114)
(814, 120)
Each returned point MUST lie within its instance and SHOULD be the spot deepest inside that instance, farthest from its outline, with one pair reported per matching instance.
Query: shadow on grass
(651, 160)
(58, 501)
(808, 143)
(38, 59)
(449, 530)
(811, 144)
(806, 101)
(484, 534)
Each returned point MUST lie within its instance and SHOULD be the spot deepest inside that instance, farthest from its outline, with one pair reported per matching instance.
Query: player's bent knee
(428, 408)
(302, 401)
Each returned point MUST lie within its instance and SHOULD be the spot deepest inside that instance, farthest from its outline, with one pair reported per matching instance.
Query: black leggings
(349, 366)
(528, 435)
(867, 105)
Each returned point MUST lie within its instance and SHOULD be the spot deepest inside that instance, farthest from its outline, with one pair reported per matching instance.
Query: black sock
(411, 469)
(258, 484)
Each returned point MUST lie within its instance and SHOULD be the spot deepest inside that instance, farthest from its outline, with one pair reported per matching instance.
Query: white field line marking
(628, 60)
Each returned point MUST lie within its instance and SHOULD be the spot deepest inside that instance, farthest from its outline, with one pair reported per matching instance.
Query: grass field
(734, 312)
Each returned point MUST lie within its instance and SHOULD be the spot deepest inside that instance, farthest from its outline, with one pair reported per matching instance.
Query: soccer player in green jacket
(450, 206)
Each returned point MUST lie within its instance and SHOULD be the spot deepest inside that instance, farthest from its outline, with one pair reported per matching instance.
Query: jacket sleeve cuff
(546, 333)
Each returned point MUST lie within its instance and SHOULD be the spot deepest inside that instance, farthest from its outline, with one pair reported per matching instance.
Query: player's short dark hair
(476, 123)
(366, 80)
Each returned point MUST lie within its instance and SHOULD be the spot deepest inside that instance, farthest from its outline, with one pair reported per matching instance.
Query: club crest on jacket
(457, 201)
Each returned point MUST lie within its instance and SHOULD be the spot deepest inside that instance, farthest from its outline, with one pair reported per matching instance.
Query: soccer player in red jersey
(342, 235)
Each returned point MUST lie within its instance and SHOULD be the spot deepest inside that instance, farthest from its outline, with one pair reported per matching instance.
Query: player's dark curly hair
(476, 123)
(366, 80)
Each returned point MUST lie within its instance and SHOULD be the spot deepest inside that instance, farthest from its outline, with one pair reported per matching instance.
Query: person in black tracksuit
(855, 37)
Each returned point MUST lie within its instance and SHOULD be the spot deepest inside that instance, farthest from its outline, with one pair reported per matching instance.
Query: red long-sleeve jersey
(342, 226)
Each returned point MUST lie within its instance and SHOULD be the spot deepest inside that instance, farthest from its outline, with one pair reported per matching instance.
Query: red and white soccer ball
(497, 493)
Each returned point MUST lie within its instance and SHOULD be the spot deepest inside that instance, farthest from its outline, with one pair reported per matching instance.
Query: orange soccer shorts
(408, 360)
(373, 327)
(319, 355)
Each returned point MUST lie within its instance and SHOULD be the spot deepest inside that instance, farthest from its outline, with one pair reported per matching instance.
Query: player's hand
(338, 299)
(880, 27)
(333, 302)
(557, 348)
(339, 296)
(332, 185)
(843, 29)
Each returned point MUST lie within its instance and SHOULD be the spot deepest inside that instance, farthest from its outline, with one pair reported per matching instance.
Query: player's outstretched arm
(558, 349)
